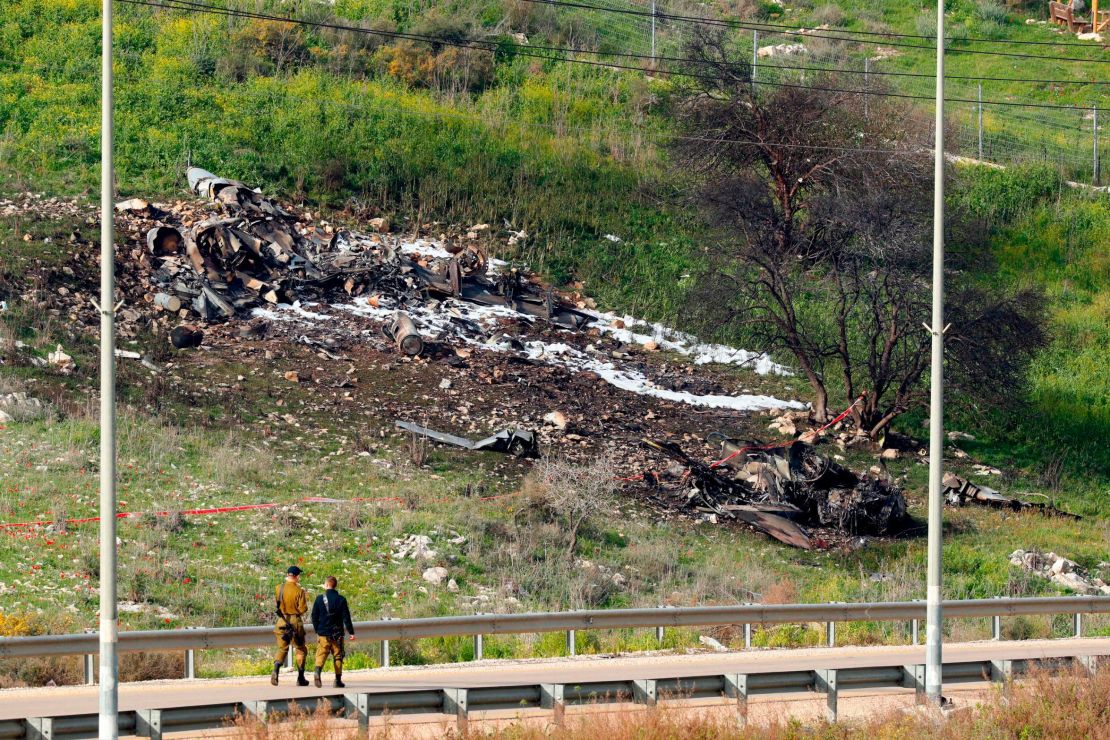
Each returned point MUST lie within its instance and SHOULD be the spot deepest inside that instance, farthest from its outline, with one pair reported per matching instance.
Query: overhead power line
(528, 51)
(663, 15)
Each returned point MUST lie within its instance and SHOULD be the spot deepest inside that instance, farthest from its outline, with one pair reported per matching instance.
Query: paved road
(18, 703)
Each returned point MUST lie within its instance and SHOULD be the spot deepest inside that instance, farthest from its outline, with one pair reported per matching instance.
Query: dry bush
(829, 14)
(346, 517)
(151, 666)
(418, 449)
(298, 724)
(571, 494)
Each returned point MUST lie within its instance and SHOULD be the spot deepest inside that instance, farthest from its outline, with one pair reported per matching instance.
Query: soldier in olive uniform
(330, 617)
(291, 605)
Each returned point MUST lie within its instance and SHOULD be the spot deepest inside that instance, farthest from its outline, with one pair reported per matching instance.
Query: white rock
(452, 586)
(890, 454)
(435, 576)
(709, 642)
(60, 360)
(556, 419)
(4, 418)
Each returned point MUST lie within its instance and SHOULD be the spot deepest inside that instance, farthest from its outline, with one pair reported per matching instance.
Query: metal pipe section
(933, 613)
(600, 619)
(109, 618)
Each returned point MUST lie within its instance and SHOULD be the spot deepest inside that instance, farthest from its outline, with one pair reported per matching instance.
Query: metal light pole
(936, 396)
(109, 618)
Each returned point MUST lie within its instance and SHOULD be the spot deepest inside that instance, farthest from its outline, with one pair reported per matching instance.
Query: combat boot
(301, 680)
(316, 680)
(339, 681)
(274, 674)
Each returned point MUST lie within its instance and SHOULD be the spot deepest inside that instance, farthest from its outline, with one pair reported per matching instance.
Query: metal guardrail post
(572, 648)
(830, 634)
(660, 635)
(359, 706)
(826, 682)
(1002, 671)
(1090, 662)
(736, 687)
(551, 697)
(748, 636)
(149, 723)
(996, 627)
(289, 658)
(1077, 624)
(915, 629)
(644, 692)
(90, 664)
(455, 703)
(479, 647)
(190, 661)
(913, 677)
(383, 654)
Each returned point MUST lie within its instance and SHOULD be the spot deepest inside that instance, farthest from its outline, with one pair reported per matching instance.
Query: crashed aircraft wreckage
(257, 253)
(778, 489)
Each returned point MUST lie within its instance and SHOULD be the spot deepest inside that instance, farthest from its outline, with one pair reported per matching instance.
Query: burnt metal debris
(256, 253)
(960, 491)
(517, 442)
(783, 489)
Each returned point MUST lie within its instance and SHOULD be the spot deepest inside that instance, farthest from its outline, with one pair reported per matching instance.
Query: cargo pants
(290, 631)
(332, 646)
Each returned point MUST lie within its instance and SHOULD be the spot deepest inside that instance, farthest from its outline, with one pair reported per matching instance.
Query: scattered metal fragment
(517, 442)
(186, 336)
(402, 331)
(959, 491)
(775, 487)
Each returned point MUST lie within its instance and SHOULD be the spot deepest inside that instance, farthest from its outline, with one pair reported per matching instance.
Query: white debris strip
(631, 330)
(434, 322)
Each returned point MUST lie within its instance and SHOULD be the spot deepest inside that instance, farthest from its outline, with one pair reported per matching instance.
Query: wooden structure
(1062, 14)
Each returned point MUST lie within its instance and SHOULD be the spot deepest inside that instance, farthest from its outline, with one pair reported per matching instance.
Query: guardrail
(458, 704)
(500, 624)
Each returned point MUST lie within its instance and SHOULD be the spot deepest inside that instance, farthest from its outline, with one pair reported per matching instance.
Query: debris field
(375, 334)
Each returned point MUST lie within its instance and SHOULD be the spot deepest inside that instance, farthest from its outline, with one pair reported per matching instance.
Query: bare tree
(570, 494)
(821, 210)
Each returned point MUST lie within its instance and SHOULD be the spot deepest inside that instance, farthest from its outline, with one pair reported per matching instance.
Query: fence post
(980, 121)
(755, 56)
(571, 647)
(1096, 175)
(867, 86)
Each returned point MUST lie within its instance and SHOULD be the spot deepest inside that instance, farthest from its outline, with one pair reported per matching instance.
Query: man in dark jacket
(330, 616)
